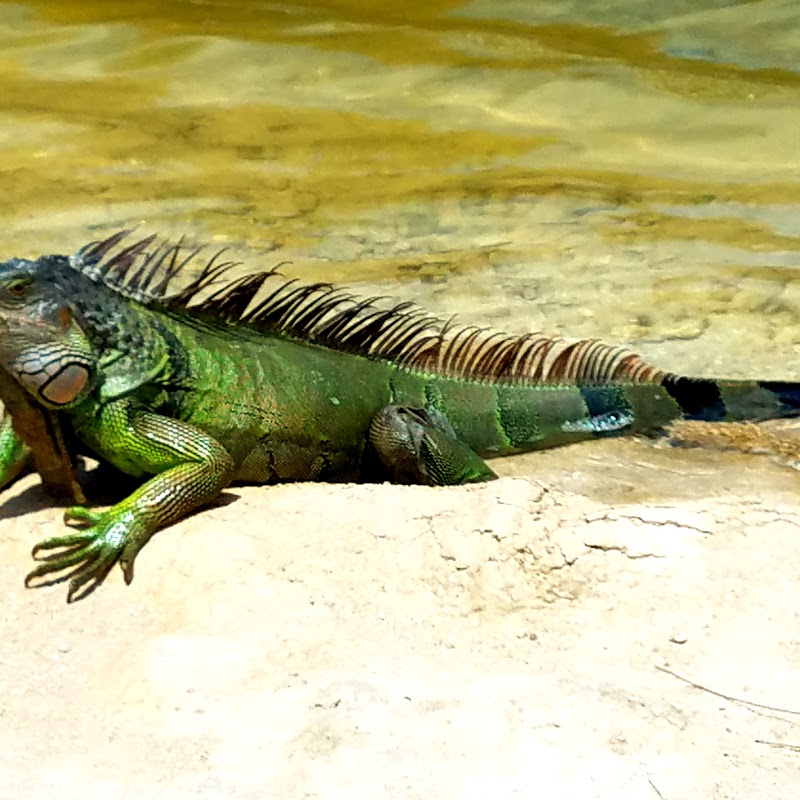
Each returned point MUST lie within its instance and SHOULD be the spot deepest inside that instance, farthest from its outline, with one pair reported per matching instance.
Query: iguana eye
(18, 288)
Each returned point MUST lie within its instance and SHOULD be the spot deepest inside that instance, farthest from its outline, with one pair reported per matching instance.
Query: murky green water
(621, 169)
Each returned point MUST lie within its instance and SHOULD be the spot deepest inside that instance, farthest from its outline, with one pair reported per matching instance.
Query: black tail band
(698, 398)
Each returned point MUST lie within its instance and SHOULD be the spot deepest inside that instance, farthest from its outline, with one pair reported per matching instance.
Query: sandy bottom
(614, 620)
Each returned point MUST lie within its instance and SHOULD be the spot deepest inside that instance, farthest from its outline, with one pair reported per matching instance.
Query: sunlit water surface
(619, 169)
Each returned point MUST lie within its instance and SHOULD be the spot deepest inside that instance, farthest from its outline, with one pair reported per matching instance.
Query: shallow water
(618, 169)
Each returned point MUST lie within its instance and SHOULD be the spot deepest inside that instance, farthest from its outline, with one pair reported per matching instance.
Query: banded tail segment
(733, 401)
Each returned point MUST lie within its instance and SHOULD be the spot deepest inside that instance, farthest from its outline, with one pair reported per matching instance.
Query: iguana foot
(419, 445)
(86, 558)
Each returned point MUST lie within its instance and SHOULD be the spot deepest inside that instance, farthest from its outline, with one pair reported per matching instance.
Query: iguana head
(42, 344)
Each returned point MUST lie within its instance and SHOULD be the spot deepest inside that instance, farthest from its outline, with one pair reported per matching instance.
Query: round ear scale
(66, 384)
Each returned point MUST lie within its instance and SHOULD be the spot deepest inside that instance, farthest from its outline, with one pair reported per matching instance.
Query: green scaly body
(323, 401)
(306, 384)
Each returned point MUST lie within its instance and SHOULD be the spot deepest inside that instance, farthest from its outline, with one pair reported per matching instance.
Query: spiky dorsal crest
(317, 312)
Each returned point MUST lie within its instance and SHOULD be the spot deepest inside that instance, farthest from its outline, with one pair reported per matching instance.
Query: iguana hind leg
(420, 446)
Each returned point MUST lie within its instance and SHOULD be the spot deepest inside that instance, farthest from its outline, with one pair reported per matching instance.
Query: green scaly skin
(190, 404)
(14, 453)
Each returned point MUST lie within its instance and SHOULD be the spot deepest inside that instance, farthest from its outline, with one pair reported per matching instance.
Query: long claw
(80, 516)
(90, 578)
(65, 545)
(32, 579)
(77, 560)
(127, 570)
(53, 564)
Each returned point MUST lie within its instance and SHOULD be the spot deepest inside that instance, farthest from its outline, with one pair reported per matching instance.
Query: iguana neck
(131, 344)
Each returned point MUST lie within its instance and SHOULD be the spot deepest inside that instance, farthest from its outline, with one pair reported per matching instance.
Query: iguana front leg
(190, 469)
(420, 446)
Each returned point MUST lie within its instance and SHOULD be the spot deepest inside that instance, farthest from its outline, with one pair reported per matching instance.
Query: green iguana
(258, 379)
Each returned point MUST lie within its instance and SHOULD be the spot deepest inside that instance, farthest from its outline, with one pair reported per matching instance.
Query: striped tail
(733, 401)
